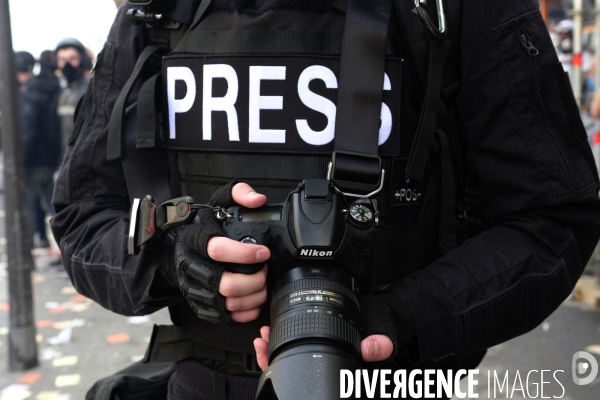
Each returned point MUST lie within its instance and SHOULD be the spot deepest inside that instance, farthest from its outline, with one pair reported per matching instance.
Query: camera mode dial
(361, 214)
(249, 239)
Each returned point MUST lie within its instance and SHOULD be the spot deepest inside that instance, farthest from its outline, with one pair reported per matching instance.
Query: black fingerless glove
(387, 314)
(190, 268)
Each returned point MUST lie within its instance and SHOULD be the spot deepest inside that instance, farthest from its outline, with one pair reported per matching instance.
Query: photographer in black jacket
(527, 171)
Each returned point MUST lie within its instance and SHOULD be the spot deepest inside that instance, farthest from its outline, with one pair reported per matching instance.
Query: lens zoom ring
(312, 324)
(315, 283)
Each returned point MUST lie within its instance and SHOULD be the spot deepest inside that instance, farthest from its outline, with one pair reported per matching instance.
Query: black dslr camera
(317, 241)
(319, 244)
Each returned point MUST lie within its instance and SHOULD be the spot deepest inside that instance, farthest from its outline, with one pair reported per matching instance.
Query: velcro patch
(284, 104)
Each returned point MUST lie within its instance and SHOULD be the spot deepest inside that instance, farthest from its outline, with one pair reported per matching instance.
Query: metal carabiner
(439, 32)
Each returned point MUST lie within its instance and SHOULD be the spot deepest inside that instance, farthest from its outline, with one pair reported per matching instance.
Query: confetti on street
(138, 320)
(65, 361)
(38, 279)
(67, 380)
(68, 290)
(137, 358)
(79, 307)
(46, 395)
(118, 338)
(43, 323)
(75, 323)
(50, 354)
(30, 378)
(58, 310)
(79, 299)
(62, 338)
(15, 392)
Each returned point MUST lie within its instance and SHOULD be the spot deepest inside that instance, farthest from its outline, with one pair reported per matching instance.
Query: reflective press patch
(264, 104)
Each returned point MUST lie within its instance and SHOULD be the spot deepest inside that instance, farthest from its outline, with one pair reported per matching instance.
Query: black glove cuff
(169, 255)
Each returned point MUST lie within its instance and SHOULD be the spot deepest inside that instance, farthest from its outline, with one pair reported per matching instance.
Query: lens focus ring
(315, 283)
(311, 325)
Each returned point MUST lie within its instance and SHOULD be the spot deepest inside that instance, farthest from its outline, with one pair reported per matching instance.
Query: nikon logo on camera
(315, 253)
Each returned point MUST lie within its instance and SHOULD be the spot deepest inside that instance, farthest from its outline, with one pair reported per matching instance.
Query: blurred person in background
(41, 138)
(74, 63)
(564, 44)
(24, 63)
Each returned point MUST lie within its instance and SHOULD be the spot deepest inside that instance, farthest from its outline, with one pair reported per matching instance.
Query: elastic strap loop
(115, 126)
(147, 115)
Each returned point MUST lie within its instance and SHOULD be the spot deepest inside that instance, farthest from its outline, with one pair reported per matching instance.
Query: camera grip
(247, 269)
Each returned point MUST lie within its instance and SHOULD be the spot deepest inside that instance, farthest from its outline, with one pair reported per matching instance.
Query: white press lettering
(184, 105)
(386, 115)
(317, 103)
(225, 103)
(258, 102)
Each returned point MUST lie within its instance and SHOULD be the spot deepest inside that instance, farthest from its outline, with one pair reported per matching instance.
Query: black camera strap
(356, 166)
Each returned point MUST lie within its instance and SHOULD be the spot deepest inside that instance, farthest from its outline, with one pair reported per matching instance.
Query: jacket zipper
(528, 45)
(533, 52)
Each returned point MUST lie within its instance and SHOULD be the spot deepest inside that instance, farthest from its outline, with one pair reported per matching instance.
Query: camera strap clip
(148, 219)
(356, 174)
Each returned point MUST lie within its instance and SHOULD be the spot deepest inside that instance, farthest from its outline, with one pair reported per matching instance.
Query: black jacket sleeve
(531, 164)
(91, 198)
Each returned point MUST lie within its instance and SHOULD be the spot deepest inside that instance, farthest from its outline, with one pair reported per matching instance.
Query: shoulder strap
(436, 66)
(356, 166)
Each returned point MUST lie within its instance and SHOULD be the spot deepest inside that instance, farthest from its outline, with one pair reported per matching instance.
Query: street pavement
(78, 341)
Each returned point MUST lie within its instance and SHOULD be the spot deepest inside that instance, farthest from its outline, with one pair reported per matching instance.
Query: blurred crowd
(562, 35)
(49, 90)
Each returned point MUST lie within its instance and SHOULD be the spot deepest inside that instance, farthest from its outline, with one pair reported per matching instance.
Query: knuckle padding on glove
(203, 295)
(198, 276)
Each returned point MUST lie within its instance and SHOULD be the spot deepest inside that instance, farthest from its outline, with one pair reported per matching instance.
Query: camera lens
(314, 305)
(314, 334)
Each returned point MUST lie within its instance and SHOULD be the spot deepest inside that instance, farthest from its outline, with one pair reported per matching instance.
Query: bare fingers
(244, 195)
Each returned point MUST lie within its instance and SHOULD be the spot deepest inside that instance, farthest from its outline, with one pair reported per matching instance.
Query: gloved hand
(223, 280)
(387, 325)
